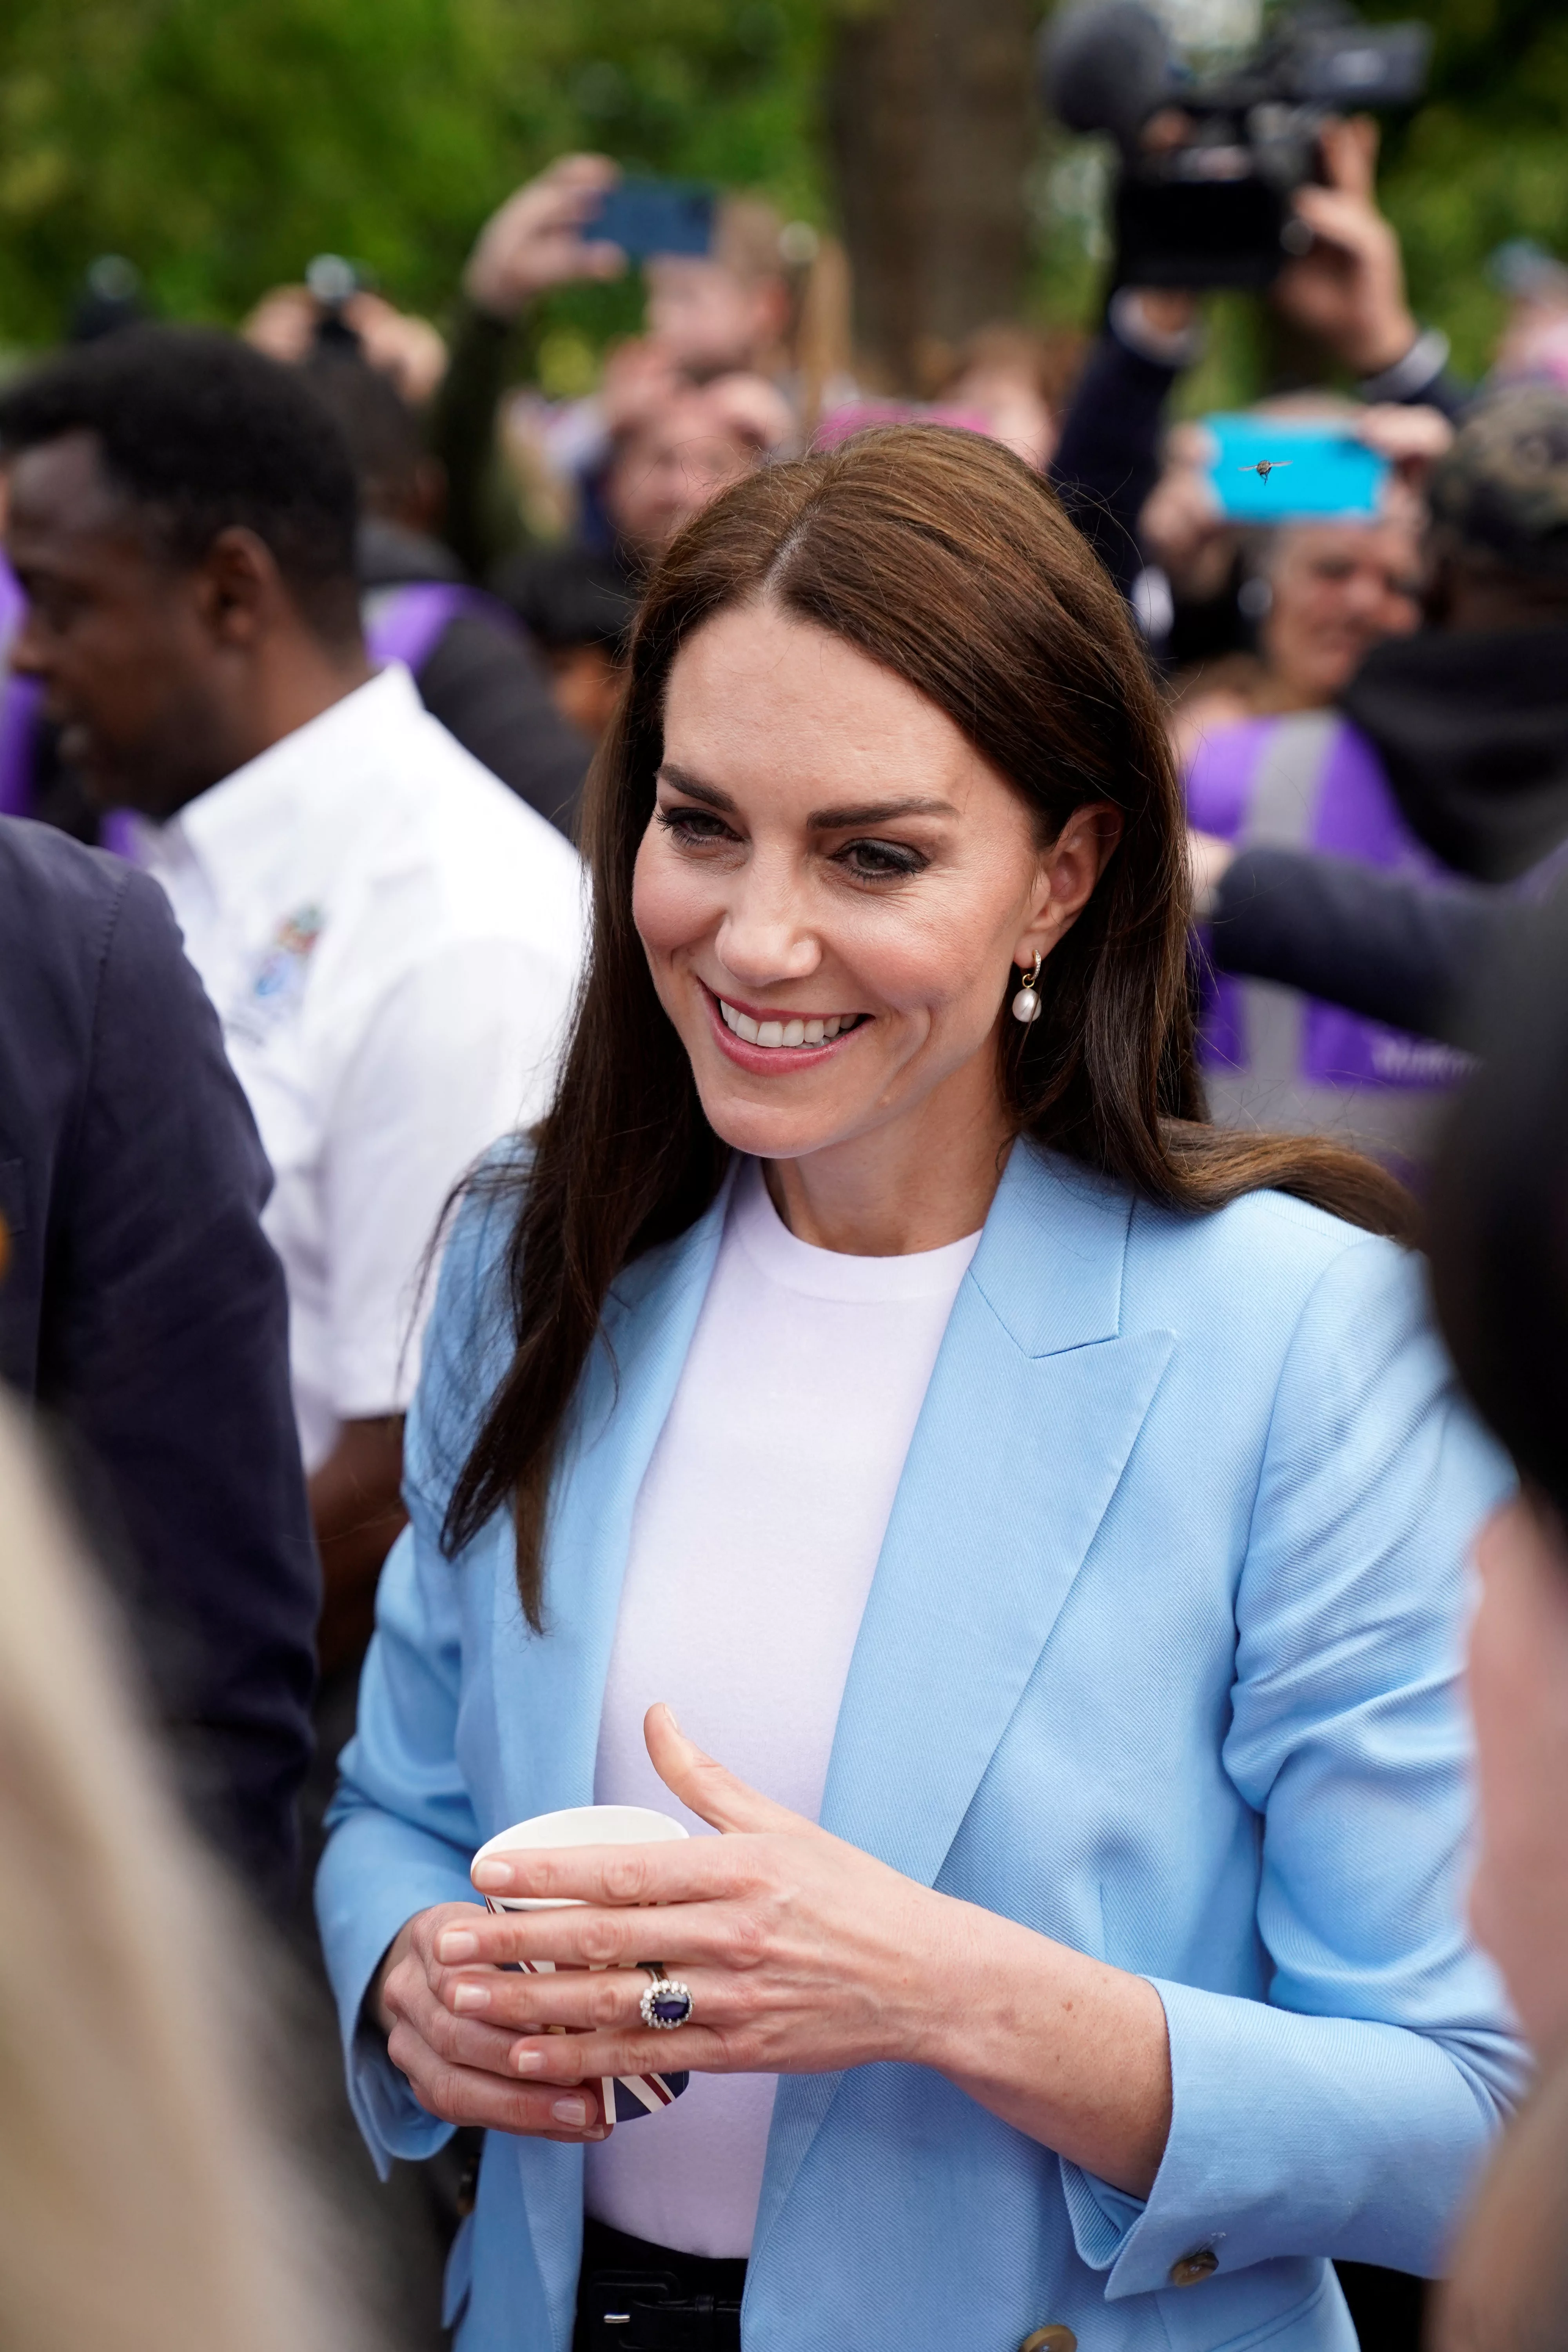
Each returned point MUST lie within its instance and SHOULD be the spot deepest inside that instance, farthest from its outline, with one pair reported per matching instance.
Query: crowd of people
(741, 1050)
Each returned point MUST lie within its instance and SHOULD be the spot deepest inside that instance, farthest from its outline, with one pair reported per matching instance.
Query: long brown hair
(951, 564)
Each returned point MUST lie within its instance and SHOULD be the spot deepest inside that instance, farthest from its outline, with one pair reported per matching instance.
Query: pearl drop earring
(1026, 1004)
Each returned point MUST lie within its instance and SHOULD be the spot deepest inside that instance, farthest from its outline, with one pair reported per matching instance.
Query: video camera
(1208, 167)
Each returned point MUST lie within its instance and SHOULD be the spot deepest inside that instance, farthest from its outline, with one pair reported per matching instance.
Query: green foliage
(1483, 159)
(219, 144)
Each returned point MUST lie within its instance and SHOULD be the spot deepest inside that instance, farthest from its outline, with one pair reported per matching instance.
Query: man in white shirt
(390, 936)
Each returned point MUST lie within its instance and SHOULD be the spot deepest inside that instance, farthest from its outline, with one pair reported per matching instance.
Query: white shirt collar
(293, 806)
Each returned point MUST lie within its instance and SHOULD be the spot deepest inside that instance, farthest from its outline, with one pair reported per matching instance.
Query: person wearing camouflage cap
(1469, 716)
(1500, 497)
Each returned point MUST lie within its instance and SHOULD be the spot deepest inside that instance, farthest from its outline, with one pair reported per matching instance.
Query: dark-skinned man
(390, 938)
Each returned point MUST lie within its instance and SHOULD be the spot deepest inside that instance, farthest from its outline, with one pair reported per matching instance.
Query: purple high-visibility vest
(1273, 1058)
(407, 624)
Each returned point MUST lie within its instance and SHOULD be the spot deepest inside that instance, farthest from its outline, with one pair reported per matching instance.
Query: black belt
(633, 2297)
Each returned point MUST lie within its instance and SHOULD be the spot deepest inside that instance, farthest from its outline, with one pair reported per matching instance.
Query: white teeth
(786, 1033)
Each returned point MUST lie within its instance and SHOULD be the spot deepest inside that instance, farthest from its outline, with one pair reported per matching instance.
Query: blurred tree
(933, 124)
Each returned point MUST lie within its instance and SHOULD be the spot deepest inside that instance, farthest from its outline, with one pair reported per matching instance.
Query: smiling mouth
(787, 1033)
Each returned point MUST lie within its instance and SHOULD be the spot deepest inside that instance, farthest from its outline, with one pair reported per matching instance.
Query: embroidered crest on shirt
(279, 979)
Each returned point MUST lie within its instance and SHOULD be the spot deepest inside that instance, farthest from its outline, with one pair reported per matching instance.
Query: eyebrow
(824, 820)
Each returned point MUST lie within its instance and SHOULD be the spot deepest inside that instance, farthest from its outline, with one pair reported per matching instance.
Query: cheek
(674, 906)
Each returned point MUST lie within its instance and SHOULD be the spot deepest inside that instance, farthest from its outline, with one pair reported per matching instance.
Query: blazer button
(1192, 2269)
(1055, 2338)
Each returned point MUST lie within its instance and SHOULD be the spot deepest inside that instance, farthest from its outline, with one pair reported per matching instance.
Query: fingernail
(674, 1718)
(494, 1875)
(455, 1944)
(570, 2111)
(528, 2061)
(470, 1995)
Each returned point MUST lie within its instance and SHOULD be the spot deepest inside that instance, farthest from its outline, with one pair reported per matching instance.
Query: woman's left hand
(802, 1954)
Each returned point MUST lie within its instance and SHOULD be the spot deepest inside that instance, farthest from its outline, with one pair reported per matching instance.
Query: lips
(790, 1031)
(769, 1044)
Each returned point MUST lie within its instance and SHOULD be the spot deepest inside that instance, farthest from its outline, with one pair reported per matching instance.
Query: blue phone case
(1313, 471)
(651, 217)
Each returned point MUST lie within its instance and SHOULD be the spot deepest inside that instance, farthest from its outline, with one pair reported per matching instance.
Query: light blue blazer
(1161, 1659)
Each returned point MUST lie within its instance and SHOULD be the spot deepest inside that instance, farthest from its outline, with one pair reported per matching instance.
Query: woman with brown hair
(1049, 1510)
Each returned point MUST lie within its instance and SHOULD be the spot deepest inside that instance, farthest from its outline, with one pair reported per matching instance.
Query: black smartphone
(651, 217)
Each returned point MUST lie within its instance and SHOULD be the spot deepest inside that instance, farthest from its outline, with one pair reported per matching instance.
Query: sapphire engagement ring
(667, 2003)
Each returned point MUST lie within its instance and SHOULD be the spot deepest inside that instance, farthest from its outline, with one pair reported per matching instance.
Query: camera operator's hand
(1349, 288)
(536, 240)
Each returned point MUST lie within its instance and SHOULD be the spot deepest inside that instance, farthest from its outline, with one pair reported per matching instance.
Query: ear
(240, 590)
(1069, 870)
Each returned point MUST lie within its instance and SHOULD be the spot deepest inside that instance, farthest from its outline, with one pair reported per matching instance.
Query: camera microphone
(1105, 65)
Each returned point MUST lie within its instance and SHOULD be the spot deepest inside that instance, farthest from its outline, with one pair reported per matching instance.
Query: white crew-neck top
(754, 1544)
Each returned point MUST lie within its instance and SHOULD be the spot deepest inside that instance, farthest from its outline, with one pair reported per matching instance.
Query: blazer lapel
(1034, 1406)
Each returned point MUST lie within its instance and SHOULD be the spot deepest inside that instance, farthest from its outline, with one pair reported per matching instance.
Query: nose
(764, 937)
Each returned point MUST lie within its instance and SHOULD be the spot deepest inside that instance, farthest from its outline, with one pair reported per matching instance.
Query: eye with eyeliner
(693, 828)
(865, 860)
(881, 861)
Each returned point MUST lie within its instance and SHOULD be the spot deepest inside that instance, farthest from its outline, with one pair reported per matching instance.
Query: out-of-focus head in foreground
(1501, 1273)
(145, 2203)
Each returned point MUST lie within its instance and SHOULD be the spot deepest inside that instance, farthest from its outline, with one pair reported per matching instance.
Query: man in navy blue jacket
(143, 1308)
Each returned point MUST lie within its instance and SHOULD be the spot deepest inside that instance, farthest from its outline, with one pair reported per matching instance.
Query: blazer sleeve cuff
(1141, 2244)
(377, 1874)
(1283, 2130)
(1101, 2218)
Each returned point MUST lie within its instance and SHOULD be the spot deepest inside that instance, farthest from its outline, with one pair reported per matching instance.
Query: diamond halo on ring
(667, 2002)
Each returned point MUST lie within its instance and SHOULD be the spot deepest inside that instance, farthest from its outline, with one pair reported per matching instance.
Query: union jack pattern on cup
(625, 2096)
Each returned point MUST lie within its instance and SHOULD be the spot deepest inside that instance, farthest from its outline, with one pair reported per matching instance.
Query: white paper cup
(624, 2097)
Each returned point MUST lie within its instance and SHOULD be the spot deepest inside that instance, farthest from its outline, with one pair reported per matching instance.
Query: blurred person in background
(390, 936)
(476, 670)
(143, 1311)
(665, 468)
(1316, 594)
(1446, 756)
(1017, 380)
(1534, 345)
(1347, 292)
(1401, 948)
(578, 608)
(1500, 1280)
(746, 309)
(149, 2200)
(286, 324)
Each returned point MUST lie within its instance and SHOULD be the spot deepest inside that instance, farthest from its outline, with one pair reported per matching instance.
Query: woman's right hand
(457, 2068)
